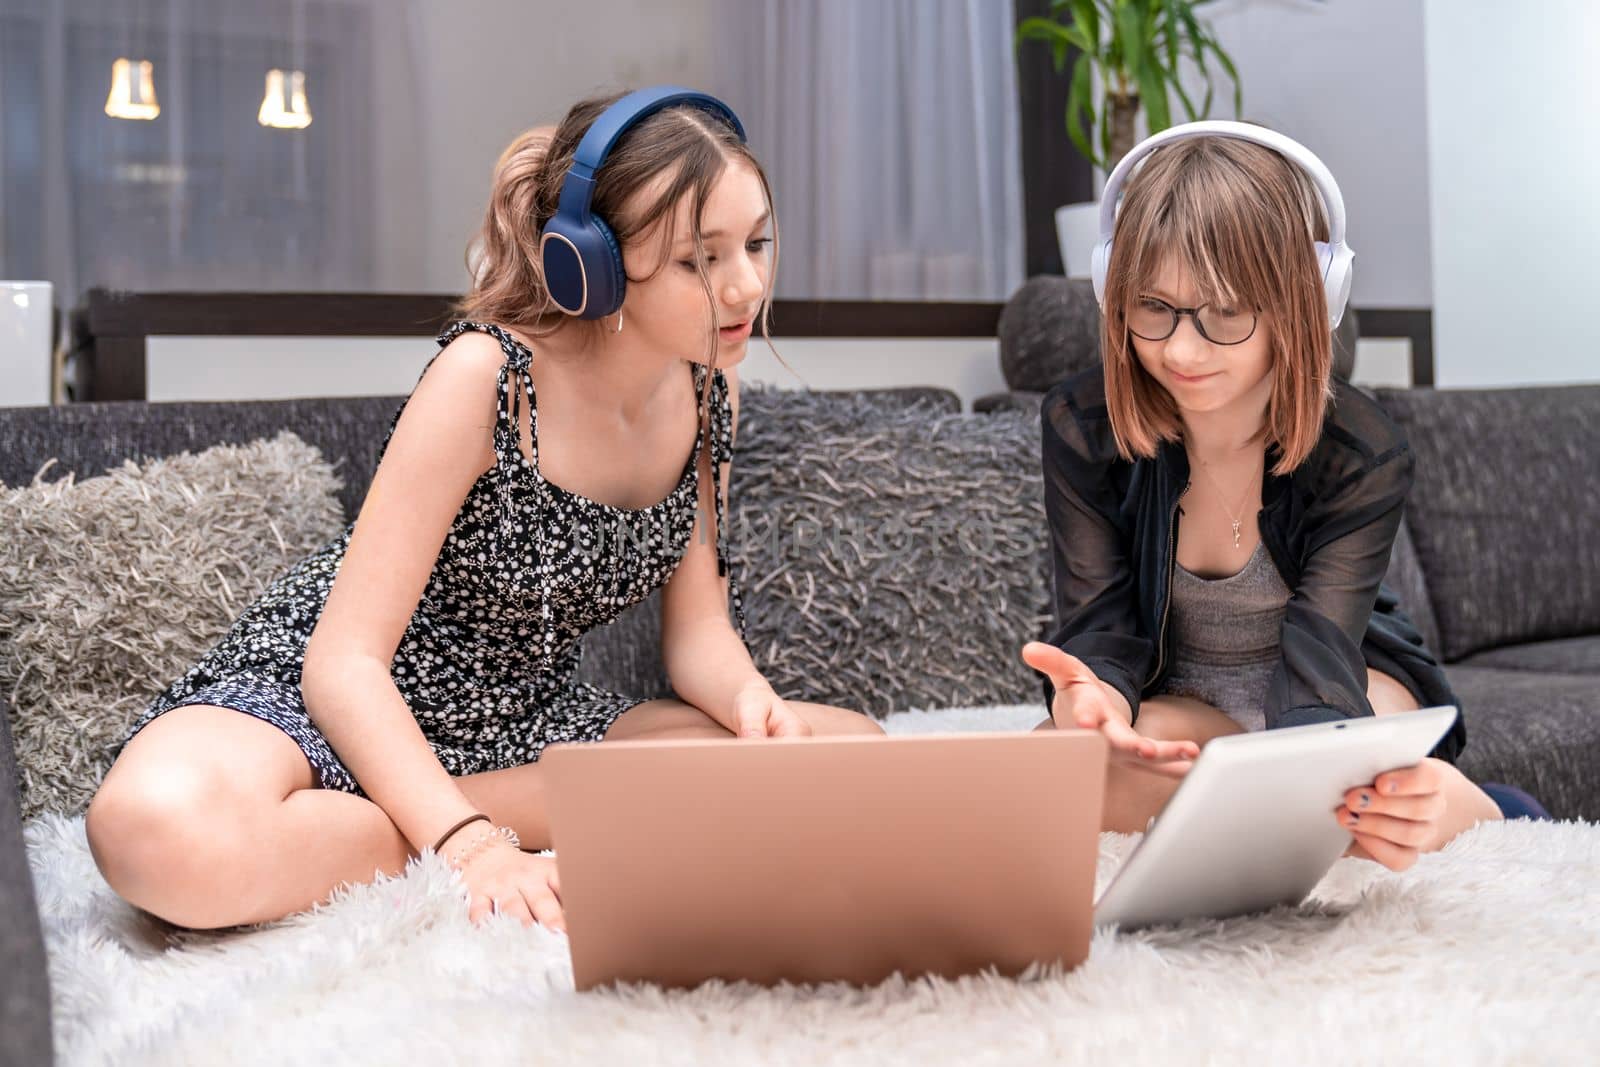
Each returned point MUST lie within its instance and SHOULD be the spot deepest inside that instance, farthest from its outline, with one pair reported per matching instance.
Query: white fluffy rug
(1487, 952)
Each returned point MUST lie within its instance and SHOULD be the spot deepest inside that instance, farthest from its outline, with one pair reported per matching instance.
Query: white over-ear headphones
(1333, 256)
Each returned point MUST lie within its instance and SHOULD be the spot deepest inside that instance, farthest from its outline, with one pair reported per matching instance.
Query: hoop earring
(619, 322)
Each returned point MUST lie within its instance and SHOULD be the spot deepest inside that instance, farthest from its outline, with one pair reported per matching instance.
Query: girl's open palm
(1083, 700)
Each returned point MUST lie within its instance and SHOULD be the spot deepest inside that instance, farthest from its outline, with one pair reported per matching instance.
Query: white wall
(236, 368)
(1514, 145)
(1345, 79)
(1404, 109)
(403, 155)
(241, 368)
(487, 70)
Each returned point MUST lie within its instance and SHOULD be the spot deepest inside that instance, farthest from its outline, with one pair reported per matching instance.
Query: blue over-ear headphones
(581, 258)
(1333, 256)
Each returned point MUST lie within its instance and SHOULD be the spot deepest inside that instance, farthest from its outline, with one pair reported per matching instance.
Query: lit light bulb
(133, 90)
(283, 105)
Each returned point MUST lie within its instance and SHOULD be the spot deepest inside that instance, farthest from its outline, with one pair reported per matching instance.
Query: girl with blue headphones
(564, 455)
(1222, 509)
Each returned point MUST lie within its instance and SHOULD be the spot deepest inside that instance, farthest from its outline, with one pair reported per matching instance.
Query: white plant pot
(25, 316)
(1077, 230)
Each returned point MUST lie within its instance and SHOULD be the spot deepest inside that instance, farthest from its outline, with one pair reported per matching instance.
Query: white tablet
(1252, 824)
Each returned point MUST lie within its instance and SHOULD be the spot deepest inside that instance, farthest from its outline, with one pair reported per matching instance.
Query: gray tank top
(1225, 634)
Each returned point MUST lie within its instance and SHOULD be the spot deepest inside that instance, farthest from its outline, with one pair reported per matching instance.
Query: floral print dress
(487, 664)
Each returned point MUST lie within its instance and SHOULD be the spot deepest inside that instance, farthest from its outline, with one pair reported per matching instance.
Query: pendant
(1236, 532)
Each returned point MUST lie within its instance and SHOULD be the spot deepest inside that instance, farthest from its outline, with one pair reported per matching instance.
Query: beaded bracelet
(499, 833)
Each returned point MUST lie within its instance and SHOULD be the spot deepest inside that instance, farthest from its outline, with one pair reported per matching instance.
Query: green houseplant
(1134, 48)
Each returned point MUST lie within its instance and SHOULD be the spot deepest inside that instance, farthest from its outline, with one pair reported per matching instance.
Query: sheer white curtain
(203, 196)
(890, 133)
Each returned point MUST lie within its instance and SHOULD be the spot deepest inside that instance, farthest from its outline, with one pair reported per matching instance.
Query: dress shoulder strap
(720, 430)
(515, 384)
(517, 355)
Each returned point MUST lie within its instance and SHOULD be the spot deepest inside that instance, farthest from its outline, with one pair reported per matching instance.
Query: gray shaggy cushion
(890, 558)
(110, 587)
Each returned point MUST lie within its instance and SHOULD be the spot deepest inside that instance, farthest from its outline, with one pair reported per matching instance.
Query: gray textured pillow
(890, 558)
(110, 587)
(625, 655)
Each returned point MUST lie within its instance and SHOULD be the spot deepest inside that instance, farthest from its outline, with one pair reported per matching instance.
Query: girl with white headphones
(1222, 509)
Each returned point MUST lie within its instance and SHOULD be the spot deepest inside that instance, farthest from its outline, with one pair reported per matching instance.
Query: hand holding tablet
(1395, 816)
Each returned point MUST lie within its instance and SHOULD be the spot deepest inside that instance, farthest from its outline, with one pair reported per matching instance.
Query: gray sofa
(1513, 605)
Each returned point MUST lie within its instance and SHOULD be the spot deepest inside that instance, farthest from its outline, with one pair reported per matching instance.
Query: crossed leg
(1134, 795)
(209, 818)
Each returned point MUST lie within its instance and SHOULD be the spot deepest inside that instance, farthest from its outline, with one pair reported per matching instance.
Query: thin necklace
(1238, 520)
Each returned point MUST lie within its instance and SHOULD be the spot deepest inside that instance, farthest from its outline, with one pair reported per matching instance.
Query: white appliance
(26, 312)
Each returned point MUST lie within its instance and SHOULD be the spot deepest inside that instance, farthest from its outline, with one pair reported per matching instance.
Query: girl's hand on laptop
(760, 712)
(509, 881)
(1396, 816)
(1083, 700)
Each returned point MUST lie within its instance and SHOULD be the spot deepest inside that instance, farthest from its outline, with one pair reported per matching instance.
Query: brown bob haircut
(1240, 219)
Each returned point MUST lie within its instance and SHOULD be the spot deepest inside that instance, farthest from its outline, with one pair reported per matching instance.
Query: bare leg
(673, 718)
(208, 819)
(827, 720)
(514, 796)
(1135, 795)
